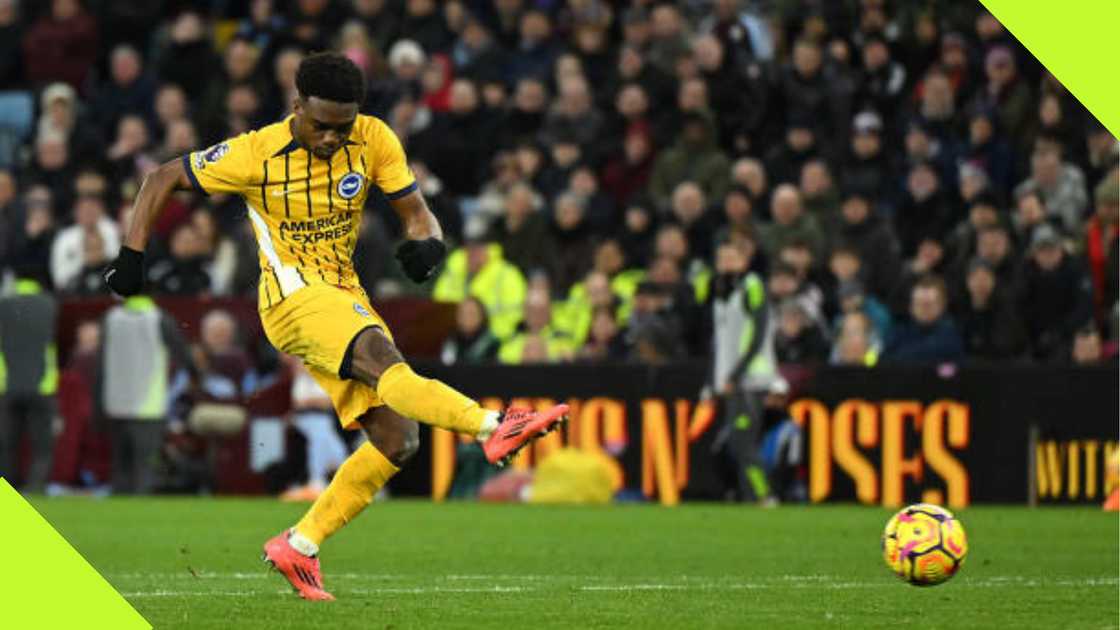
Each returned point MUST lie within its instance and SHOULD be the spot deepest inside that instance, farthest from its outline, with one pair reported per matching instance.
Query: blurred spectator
(694, 156)
(34, 232)
(574, 116)
(67, 251)
(220, 358)
(28, 357)
(990, 327)
(1061, 185)
(219, 252)
(129, 90)
(139, 345)
(797, 339)
(852, 298)
(188, 59)
(868, 166)
(1102, 244)
(1056, 298)
(856, 344)
(790, 223)
(12, 66)
(572, 241)
(183, 272)
(478, 269)
(471, 342)
(59, 117)
(61, 45)
(929, 335)
(90, 278)
(987, 150)
(784, 161)
(627, 173)
(537, 340)
(1007, 92)
(605, 341)
(924, 211)
(865, 231)
(819, 194)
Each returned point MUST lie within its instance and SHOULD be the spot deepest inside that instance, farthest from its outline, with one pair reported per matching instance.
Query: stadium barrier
(950, 435)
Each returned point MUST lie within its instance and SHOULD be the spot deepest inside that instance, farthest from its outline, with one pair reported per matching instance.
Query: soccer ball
(924, 544)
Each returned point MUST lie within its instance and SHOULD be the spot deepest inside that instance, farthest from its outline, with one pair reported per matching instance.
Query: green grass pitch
(194, 563)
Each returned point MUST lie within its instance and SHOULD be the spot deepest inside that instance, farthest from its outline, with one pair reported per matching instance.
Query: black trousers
(28, 415)
(136, 452)
(737, 445)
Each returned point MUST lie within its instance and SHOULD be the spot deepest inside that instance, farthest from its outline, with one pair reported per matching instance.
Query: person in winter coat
(930, 336)
(862, 229)
(694, 157)
(990, 326)
(1056, 297)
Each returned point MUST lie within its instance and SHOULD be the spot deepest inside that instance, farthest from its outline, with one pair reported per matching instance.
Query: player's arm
(125, 276)
(423, 249)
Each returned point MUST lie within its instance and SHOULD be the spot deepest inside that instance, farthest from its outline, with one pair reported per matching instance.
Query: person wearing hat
(1056, 297)
(1102, 236)
(867, 165)
(990, 326)
(1007, 92)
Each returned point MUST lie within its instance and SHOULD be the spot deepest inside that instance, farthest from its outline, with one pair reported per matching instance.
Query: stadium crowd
(906, 179)
(909, 181)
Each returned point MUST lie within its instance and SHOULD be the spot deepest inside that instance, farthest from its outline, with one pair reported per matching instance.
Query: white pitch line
(690, 584)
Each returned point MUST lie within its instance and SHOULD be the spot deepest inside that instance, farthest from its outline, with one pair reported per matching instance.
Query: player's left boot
(518, 427)
(301, 571)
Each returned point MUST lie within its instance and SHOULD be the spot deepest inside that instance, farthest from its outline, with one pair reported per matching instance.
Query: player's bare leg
(378, 363)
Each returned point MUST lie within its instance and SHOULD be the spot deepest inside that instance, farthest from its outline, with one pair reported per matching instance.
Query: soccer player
(304, 181)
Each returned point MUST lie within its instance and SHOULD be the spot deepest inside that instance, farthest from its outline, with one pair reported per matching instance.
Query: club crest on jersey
(350, 185)
(361, 310)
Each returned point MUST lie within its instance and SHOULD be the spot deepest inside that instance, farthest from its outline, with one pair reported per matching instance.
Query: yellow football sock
(352, 489)
(429, 401)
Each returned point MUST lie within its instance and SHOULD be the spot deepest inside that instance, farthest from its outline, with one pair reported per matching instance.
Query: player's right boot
(301, 571)
(517, 427)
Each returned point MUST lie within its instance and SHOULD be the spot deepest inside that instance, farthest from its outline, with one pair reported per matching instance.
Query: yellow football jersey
(306, 212)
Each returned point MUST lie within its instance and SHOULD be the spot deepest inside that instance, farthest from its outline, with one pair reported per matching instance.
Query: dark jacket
(1054, 305)
(994, 331)
(878, 248)
(911, 342)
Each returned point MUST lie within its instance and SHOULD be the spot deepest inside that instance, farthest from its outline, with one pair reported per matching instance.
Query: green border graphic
(1076, 42)
(44, 571)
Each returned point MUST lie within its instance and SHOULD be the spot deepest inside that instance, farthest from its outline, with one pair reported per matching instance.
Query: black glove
(125, 276)
(420, 258)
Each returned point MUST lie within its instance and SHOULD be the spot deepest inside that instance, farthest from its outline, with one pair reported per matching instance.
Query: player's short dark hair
(331, 77)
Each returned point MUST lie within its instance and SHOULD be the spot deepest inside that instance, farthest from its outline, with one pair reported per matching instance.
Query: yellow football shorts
(317, 324)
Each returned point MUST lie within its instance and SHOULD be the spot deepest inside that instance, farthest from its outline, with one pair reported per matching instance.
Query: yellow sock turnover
(352, 489)
(429, 401)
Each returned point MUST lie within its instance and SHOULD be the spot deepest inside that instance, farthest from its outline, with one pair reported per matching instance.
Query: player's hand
(125, 276)
(419, 259)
